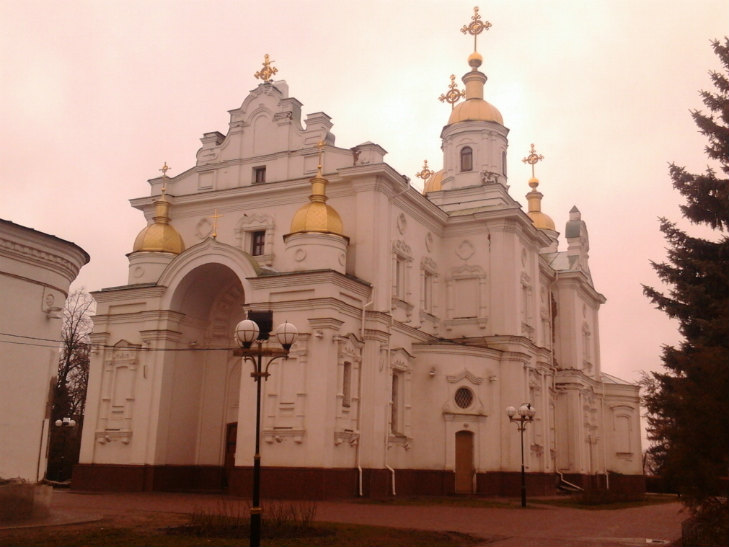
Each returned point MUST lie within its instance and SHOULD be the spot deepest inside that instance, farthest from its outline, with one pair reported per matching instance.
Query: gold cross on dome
(267, 71)
(475, 27)
(453, 95)
(320, 146)
(215, 216)
(532, 158)
(164, 170)
(426, 172)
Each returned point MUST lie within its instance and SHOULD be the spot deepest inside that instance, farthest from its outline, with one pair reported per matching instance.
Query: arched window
(466, 159)
(503, 163)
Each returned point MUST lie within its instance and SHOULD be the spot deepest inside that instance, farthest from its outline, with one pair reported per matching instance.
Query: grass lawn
(574, 502)
(166, 530)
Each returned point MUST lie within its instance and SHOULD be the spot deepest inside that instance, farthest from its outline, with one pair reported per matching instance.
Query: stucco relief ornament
(489, 177)
(465, 250)
(267, 71)
(429, 241)
(204, 228)
(402, 224)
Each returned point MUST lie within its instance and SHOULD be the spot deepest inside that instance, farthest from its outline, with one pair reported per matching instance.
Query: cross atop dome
(426, 172)
(267, 71)
(453, 95)
(320, 146)
(475, 27)
(164, 170)
(533, 158)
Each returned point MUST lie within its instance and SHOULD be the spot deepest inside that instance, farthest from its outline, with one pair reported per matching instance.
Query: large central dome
(474, 108)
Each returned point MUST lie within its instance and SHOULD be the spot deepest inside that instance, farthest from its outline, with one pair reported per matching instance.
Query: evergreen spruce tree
(688, 402)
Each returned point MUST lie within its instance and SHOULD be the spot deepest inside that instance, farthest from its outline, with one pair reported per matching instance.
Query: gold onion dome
(534, 197)
(475, 108)
(317, 216)
(539, 219)
(434, 183)
(160, 236)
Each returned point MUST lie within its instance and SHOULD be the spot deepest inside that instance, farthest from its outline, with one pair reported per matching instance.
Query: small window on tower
(466, 159)
(259, 174)
(258, 243)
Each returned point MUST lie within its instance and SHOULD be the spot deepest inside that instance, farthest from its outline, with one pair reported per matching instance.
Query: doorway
(464, 462)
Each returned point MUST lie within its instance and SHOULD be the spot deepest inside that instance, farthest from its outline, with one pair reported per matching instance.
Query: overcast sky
(95, 96)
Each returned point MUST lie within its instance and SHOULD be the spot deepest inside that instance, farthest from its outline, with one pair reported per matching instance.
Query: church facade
(422, 316)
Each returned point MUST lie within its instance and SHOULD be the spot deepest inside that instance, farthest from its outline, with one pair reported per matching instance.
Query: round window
(464, 397)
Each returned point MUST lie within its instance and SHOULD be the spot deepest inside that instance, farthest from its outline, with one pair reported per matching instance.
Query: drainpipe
(359, 406)
(604, 433)
(390, 469)
(387, 429)
(552, 347)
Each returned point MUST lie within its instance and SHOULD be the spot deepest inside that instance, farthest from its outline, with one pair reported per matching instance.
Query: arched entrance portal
(205, 381)
(464, 462)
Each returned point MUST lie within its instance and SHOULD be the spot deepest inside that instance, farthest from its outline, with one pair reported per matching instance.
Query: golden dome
(475, 110)
(317, 216)
(433, 184)
(539, 219)
(159, 236)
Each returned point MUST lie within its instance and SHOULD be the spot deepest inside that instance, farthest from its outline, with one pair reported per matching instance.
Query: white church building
(421, 317)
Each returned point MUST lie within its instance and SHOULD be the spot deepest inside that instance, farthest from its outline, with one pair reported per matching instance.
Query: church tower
(474, 141)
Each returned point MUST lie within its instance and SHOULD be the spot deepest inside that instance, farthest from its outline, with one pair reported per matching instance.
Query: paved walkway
(535, 526)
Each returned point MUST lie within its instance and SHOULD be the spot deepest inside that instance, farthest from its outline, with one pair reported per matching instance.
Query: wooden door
(464, 462)
(231, 434)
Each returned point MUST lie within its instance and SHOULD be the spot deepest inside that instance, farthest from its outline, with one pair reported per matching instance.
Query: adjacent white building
(36, 270)
(421, 317)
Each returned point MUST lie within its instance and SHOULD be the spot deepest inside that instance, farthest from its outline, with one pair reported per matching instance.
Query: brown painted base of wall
(318, 483)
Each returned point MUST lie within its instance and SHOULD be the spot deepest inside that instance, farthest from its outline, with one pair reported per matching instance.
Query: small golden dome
(434, 183)
(534, 198)
(541, 221)
(317, 216)
(159, 236)
(475, 110)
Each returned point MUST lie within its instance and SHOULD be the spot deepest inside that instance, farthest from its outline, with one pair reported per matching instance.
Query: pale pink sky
(96, 95)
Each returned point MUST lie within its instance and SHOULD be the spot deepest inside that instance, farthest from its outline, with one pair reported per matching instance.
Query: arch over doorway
(200, 394)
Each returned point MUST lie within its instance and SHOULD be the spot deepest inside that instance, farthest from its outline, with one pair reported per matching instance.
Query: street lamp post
(63, 426)
(246, 333)
(526, 414)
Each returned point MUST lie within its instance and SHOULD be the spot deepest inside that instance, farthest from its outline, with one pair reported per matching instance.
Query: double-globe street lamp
(247, 333)
(526, 414)
(64, 426)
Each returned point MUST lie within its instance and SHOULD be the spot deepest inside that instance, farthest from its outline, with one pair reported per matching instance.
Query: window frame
(466, 156)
